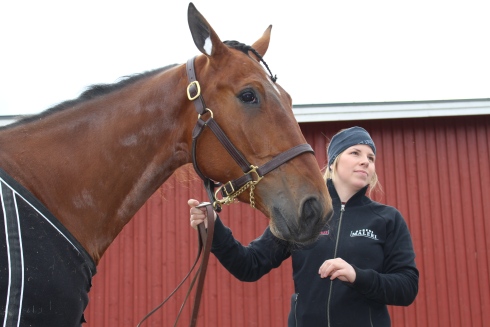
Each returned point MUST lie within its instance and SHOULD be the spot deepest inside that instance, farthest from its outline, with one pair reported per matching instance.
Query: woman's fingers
(337, 268)
(197, 214)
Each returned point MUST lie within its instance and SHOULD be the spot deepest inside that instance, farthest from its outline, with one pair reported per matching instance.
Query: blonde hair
(374, 184)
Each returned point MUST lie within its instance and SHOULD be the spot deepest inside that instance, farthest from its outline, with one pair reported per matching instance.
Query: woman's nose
(365, 161)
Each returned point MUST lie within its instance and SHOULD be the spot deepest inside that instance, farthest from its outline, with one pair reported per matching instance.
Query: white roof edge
(390, 110)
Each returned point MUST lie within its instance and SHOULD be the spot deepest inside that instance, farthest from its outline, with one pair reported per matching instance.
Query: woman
(362, 261)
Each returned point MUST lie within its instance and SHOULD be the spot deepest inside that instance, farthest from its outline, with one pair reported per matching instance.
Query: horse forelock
(93, 91)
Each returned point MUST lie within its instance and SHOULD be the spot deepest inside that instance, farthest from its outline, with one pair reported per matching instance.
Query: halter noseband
(252, 174)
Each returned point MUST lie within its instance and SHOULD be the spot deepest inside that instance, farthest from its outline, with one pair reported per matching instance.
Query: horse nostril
(311, 217)
(309, 208)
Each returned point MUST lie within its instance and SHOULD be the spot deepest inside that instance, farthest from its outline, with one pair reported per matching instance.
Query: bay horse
(82, 169)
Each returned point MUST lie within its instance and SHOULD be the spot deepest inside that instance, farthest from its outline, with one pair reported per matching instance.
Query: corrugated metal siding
(436, 171)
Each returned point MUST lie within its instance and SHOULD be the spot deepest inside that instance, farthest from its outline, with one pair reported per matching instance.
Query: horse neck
(95, 165)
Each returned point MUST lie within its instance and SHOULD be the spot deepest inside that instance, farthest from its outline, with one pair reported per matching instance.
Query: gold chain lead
(232, 197)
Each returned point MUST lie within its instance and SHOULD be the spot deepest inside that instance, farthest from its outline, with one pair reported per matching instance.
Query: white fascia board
(390, 110)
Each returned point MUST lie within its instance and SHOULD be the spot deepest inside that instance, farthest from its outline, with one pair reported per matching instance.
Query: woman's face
(355, 167)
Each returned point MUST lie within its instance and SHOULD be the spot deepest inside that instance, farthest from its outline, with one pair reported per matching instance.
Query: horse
(82, 169)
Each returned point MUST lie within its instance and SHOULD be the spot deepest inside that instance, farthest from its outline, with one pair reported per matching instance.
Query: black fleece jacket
(370, 236)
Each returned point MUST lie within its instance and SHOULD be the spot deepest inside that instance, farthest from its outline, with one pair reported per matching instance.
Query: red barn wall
(436, 171)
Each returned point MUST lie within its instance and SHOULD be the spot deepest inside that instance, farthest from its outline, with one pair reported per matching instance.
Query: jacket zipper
(342, 209)
(295, 309)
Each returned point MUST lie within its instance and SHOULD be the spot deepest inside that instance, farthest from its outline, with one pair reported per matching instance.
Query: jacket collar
(357, 199)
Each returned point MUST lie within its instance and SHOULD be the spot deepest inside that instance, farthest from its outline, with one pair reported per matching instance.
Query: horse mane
(97, 90)
(245, 49)
(93, 91)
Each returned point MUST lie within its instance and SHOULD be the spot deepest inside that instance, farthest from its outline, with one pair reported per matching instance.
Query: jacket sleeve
(397, 284)
(248, 263)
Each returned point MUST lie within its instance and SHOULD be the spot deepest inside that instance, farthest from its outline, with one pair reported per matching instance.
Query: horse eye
(248, 97)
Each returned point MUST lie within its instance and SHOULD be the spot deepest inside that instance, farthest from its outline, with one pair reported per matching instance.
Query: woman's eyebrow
(358, 149)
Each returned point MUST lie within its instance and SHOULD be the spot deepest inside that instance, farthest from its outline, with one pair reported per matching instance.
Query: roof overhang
(390, 110)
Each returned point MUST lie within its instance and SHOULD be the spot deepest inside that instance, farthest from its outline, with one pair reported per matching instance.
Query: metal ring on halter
(198, 87)
(207, 109)
(224, 199)
(230, 196)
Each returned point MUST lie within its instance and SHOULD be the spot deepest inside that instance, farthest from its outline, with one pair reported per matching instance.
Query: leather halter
(252, 174)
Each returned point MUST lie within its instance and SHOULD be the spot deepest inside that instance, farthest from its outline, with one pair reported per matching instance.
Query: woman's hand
(337, 268)
(198, 215)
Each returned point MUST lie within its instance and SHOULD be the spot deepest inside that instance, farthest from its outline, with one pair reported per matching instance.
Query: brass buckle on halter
(198, 87)
(224, 188)
(253, 170)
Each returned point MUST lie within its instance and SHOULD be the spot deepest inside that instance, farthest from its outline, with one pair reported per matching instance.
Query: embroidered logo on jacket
(364, 233)
(325, 232)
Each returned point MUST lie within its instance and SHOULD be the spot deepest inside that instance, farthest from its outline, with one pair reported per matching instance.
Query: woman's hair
(374, 184)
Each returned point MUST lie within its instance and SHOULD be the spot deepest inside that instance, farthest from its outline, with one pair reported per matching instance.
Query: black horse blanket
(45, 274)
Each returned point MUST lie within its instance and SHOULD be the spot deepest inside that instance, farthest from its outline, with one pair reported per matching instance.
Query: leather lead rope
(205, 241)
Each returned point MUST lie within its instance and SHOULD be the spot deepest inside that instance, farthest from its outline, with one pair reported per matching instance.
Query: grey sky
(322, 51)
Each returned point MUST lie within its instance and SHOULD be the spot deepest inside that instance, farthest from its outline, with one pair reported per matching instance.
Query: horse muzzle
(300, 226)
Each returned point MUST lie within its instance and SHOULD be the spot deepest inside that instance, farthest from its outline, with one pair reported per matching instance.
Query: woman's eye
(248, 97)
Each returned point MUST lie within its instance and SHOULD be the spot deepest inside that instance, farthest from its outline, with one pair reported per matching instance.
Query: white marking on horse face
(274, 86)
(208, 46)
(272, 83)
(270, 80)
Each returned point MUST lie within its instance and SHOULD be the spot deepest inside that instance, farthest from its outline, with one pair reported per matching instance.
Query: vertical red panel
(436, 171)
(480, 181)
(430, 238)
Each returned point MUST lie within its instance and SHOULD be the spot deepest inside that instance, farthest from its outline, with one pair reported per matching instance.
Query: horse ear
(205, 38)
(262, 44)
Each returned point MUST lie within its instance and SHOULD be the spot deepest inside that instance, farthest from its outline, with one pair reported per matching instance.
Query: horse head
(255, 114)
